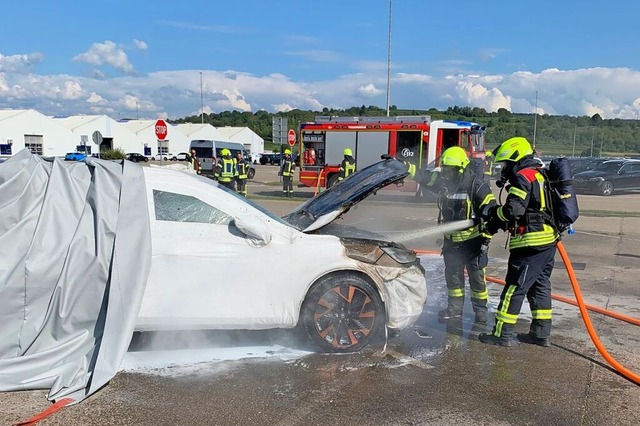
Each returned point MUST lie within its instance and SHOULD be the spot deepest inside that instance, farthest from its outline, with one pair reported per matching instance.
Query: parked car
(136, 157)
(352, 285)
(165, 157)
(608, 177)
(182, 156)
(273, 159)
(75, 156)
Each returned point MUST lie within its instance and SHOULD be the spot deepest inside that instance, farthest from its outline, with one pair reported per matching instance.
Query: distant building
(244, 135)
(27, 128)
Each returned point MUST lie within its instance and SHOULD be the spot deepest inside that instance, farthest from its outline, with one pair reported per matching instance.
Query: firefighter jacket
(225, 170)
(242, 168)
(488, 165)
(288, 167)
(195, 164)
(347, 167)
(526, 210)
(462, 200)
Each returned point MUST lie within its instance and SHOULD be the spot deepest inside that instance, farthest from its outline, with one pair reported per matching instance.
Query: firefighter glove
(489, 212)
(493, 225)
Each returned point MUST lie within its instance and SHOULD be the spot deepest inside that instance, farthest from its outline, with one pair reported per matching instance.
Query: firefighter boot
(490, 339)
(532, 339)
(481, 316)
(454, 309)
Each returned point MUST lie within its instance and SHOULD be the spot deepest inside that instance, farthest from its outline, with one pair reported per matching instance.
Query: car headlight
(399, 254)
(597, 179)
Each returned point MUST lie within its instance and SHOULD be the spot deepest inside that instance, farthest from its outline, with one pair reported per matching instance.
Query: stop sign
(161, 130)
(292, 137)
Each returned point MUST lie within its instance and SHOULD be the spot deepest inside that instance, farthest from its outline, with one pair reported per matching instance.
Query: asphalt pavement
(430, 374)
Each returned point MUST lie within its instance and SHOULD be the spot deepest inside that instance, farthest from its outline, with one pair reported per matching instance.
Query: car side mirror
(254, 228)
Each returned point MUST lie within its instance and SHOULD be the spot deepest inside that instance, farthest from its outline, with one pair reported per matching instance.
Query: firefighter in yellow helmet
(527, 216)
(348, 165)
(242, 170)
(225, 171)
(287, 169)
(488, 164)
(462, 196)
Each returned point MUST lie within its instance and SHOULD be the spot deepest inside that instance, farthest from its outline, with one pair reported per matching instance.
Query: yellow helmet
(455, 157)
(287, 151)
(488, 154)
(225, 152)
(347, 151)
(513, 149)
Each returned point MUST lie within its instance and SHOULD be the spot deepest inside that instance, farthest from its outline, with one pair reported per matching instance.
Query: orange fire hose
(583, 311)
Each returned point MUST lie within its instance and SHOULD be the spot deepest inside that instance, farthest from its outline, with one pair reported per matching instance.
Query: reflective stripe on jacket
(288, 167)
(225, 170)
(241, 170)
(526, 210)
(347, 167)
(472, 195)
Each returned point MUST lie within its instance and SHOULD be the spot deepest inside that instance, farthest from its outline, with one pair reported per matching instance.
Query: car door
(207, 274)
(629, 176)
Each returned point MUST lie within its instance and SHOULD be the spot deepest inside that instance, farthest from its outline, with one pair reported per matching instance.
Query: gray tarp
(75, 253)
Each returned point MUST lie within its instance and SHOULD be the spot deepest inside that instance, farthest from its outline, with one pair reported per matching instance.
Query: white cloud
(141, 45)
(94, 98)
(106, 53)
(18, 63)
(368, 90)
(611, 92)
(282, 108)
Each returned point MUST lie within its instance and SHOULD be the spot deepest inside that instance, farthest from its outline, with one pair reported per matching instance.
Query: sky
(135, 59)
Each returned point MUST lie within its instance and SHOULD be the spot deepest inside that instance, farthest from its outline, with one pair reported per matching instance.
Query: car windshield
(244, 199)
(608, 167)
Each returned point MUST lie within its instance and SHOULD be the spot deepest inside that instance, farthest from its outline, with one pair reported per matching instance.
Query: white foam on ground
(189, 361)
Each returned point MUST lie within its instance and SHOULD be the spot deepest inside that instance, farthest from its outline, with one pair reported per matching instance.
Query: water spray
(404, 236)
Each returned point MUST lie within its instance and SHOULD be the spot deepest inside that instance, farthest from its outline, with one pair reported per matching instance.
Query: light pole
(535, 122)
(575, 131)
(389, 62)
(201, 100)
(593, 132)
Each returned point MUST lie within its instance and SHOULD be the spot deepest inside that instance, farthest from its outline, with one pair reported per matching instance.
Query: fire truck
(416, 139)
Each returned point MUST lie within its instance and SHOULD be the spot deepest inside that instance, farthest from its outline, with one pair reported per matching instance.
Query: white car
(182, 156)
(165, 157)
(344, 285)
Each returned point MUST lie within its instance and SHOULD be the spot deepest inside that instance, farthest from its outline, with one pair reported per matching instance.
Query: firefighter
(193, 161)
(242, 168)
(225, 170)
(286, 171)
(348, 165)
(532, 246)
(462, 195)
(488, 164)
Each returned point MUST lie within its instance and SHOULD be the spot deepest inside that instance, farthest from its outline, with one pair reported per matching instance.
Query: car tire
(146, 159)
(607, 188)
(343, 313)
(333, 179)
(251, 173)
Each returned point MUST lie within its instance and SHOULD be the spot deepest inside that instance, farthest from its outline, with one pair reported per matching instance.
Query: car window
(173, 207)
(607, 167)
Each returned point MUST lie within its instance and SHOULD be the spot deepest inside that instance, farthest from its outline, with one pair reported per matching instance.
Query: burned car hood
(337, 200)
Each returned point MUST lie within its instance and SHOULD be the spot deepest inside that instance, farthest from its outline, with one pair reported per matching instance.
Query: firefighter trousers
(528, 276)
(287, 185)
(459, 256)
(241, 186)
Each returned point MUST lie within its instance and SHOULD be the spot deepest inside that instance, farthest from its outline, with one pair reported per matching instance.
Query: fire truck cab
(416, 139)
